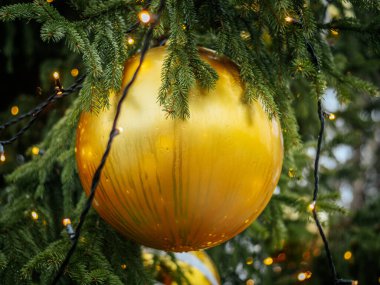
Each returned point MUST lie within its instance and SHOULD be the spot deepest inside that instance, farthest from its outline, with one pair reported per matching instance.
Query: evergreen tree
(288, 54)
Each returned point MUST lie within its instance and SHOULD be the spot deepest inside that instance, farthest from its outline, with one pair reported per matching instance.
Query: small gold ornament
(197, 267)
(182, 185)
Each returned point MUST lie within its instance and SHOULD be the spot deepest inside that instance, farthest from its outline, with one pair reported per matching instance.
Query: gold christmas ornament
(181, 185)
(196, 266)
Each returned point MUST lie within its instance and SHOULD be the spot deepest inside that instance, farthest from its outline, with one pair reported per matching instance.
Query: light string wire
(35, 112)
(321, 114)
(113, 133)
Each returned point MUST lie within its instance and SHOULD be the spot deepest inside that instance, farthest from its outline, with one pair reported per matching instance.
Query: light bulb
(332, 117)
(131, 41)
(144, 16)
(288, 19)
(74, 72)
(268, 261)
(14, 110)
(35, 150)
(301, 276)
(34, 215)
(66, 222)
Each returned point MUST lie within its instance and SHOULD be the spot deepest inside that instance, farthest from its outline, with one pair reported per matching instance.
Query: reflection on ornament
(197, 267)
(181, 185)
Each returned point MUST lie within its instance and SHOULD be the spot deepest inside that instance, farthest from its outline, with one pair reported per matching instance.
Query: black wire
(113, 133)
(316, 189)
(316, 63)
(34, 113)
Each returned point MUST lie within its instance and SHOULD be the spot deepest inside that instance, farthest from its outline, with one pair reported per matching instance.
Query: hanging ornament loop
(113, 133)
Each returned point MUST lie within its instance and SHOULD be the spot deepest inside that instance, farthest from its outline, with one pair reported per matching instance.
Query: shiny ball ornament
(196, 266)
(181, 185)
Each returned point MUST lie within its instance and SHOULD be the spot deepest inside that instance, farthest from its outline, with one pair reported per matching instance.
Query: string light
(66, 222)
(69, 228)
(74, 72)
(301, 276)
(50, 1)
(268, 261)
(2, 154)
(123, 266)
(250, 282)
(119, 130)
(95, 179)
(311, 206)
(289, 19)
(249, 260)
(131, 41)
(347, 255)
(332, 117)
(58, 85)
(34, 113)
(14, 110)
(34, 215)
(144, 16)
(35, 150)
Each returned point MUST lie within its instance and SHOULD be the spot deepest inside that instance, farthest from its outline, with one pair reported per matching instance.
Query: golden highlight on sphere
(182, 185)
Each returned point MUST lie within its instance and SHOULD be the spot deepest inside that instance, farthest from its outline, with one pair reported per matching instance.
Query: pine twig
(34, 113)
